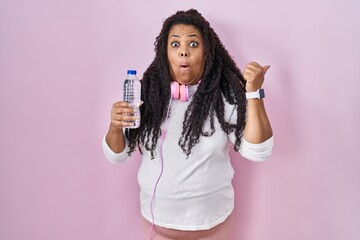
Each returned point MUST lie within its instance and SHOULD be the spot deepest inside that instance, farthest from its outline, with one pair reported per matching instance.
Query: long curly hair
(221, 79)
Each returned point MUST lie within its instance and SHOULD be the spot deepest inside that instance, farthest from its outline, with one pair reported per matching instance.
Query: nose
(184, 52)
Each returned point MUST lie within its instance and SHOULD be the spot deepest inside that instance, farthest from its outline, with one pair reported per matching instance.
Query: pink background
(61, 68)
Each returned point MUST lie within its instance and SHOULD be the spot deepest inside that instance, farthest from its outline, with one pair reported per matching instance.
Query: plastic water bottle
(132, 95)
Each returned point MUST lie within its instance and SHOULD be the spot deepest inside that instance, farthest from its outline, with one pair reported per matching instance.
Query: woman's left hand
(254, 76)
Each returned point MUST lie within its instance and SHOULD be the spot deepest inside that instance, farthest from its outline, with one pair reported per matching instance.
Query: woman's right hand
(121, 115)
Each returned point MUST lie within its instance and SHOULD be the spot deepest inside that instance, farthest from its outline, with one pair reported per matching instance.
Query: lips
(184, 66)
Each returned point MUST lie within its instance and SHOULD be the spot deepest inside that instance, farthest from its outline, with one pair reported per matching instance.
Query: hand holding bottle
(122, 115)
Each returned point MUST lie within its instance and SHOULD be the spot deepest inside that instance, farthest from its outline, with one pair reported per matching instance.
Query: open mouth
(184, 66)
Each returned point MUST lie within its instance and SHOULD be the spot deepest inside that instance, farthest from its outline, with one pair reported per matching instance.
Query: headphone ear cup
(175, 91)
(184, 93)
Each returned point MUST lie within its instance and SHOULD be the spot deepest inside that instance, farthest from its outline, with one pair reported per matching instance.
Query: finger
(247, 75)
(122, 110)
(121, 124)
(253, 65)
(265, 68)
(122, 117)
(249, 72)
(120, 107)
(252, 70)
(122, 120)
(121, 104)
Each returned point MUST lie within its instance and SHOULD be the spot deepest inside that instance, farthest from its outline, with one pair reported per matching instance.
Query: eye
(175, 44)
(193, 44)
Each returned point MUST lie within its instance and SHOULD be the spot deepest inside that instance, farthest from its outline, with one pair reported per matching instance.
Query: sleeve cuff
(112, 156)
(256, 152)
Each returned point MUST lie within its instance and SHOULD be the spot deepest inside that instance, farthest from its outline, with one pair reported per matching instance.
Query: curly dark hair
(221, 79)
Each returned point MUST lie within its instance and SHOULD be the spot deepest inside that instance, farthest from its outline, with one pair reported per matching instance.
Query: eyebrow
(190, 35)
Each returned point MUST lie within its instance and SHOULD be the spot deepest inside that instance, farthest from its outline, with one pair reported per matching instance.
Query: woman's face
(186, 54)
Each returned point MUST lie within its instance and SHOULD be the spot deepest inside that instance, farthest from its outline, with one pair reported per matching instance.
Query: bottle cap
(131, 72)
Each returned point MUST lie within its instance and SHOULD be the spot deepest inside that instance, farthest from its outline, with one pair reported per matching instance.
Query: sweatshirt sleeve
(256, 152)
(112, 156)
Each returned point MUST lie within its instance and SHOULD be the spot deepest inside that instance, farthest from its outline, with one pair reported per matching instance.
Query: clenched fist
(254, 76)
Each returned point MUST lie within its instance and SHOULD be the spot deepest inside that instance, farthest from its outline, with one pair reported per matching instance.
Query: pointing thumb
(265, 68)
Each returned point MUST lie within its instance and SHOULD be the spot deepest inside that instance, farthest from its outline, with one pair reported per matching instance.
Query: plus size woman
(197, 104)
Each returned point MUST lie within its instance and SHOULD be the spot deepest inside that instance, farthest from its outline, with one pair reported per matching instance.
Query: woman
(185, 174)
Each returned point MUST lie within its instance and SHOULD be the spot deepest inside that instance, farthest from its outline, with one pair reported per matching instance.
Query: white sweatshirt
(193, 193)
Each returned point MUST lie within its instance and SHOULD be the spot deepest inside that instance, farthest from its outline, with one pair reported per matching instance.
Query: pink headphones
(179, 91)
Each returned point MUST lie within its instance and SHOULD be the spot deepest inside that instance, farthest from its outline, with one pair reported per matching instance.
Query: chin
(187, 82)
